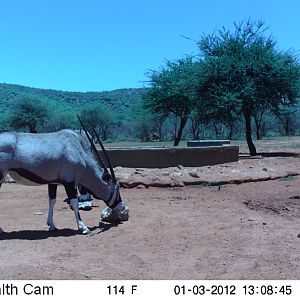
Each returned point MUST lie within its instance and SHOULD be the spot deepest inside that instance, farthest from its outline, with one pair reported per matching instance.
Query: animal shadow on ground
(37, 234)
(44, 234)
(106, 226)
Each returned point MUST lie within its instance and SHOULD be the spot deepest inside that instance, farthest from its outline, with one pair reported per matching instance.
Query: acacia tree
(172, 92)
(96, 115)
(287, 118)
(200, 116)
(245, 72)
(196, 124)
(28, 113)
(142, 123)
(258, 116)
(158, 121)
(59, 119)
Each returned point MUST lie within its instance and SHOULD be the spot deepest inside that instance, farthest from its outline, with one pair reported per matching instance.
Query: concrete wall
(173, 156)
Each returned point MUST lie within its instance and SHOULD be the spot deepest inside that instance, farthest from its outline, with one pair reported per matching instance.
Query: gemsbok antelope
(62, 157)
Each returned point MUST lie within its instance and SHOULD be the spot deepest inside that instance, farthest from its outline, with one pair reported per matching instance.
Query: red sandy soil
(249, 230)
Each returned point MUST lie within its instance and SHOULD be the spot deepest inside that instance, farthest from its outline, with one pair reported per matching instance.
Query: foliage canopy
(245, 73)
(173, 91)
(28, 113)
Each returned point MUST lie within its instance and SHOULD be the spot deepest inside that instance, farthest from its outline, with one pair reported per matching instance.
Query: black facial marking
(117, 200)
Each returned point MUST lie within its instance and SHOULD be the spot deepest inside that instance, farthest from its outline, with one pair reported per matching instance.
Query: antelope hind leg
(52, 188)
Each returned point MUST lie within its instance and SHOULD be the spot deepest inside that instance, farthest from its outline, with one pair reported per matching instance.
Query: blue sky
(94, 45)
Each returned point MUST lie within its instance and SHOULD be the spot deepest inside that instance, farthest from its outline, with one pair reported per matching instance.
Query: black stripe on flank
(32, 177)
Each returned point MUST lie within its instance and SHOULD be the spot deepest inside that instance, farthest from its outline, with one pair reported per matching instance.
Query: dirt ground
(249, 230)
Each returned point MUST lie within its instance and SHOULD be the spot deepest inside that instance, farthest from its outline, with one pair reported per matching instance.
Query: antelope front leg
(81, 226)
(72, 194)
(52, 188)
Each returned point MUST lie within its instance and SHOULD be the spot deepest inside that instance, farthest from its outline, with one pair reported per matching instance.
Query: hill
(120, 102)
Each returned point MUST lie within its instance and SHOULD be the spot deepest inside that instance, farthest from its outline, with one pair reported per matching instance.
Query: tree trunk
(32, 129)
(175, 127)
(230, 132)
(194, 131)
(258, 136)
(230, 126)
(287, 126)
(197, 136)
(257, 126)
(251, 146)
(160, 131)
(104, 130)
(216, 129)
(195, 128)
(180, 130)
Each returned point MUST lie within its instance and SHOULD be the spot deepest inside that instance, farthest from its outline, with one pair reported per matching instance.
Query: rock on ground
(245, 170)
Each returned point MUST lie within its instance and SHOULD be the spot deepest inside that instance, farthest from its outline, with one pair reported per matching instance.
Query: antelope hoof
(52, 229)
(86, 231)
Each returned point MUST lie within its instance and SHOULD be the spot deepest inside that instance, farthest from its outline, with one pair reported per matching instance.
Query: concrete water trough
(164, 157)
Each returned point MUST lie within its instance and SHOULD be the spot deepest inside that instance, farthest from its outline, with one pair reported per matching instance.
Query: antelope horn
(92, 145)
(106, 155)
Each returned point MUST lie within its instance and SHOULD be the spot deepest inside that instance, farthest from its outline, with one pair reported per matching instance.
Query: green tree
(288, 120)
(198, 119)
(60, 119)
(173, 92)
(246, 73)
(97, 116)
(158, 121)
(28, 113)
(258, 116)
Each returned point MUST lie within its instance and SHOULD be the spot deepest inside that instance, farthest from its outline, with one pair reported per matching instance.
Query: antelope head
(117, 210)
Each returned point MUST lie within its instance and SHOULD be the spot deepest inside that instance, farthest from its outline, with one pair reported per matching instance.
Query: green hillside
(119, 102)
(126, 118)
